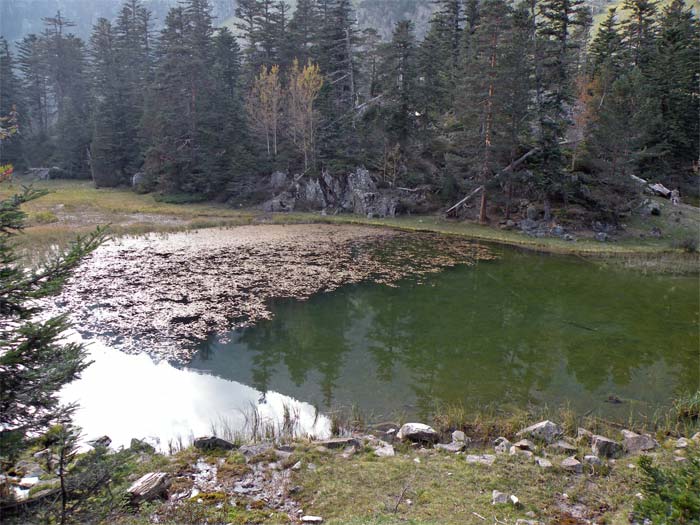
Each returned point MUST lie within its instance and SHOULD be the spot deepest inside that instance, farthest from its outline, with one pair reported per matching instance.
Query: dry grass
(446, 489)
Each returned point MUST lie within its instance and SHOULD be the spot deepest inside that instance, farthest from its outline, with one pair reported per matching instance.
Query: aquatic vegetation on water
(161, 294)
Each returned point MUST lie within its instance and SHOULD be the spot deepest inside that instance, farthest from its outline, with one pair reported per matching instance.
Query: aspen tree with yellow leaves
(264, 104)
(304, 86)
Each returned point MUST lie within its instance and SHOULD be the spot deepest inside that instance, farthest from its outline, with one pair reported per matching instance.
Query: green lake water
(525, 329)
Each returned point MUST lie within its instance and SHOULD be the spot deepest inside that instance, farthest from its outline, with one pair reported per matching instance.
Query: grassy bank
(76, 207)
(348, 483)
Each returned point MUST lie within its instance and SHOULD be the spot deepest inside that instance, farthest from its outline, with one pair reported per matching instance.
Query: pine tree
(639, 30)
(35, 89)
(135, 47)
(620, 129)
(337, 43)
(673, 86)
(439, 58)
(303, 31)
(188, 119)
(481, 110)
(554, 76)
(35, 361)
(606, 48)
(399, 79)
(10, 103)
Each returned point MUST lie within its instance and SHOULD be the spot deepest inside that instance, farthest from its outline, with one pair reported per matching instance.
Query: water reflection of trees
(502, 332)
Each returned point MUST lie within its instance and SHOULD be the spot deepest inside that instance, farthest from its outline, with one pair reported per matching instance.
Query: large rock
(278, 180)
(213, 443)
(418, 433)
(633, 442)
(605, 447)
(544, 430)
(284, 202)
(311, 195)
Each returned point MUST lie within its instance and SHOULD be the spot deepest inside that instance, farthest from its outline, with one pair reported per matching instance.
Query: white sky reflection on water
(130, 396)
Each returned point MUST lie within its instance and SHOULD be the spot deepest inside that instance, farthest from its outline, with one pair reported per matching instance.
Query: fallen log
(150, 486)
(660, 189)
(465, 199)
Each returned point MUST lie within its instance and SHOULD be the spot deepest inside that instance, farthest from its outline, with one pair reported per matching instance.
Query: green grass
(75, 207)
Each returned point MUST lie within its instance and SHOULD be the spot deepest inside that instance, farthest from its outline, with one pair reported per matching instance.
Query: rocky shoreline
(268, 476)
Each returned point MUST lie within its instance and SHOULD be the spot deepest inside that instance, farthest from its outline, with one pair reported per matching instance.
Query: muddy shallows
(161, 294)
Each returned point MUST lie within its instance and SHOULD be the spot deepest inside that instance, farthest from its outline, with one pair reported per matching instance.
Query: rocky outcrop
(355, 192)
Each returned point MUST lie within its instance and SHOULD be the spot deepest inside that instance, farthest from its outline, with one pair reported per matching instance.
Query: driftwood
(151, 486)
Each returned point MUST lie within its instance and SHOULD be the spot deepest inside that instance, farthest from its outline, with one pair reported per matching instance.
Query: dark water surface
(523, 329)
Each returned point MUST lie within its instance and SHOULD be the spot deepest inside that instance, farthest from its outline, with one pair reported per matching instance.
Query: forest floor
(649, 243)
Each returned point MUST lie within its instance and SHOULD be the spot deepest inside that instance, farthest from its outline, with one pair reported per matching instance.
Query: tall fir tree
(673, 86)
(11, 103)
(554, 74)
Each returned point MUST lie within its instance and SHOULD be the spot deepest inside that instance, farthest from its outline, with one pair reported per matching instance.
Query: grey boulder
(418, 433)
(544, 430)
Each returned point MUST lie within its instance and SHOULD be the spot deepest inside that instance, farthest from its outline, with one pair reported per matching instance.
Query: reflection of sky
(130, 396)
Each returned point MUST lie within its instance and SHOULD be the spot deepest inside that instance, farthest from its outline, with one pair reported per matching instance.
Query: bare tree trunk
(488, 126)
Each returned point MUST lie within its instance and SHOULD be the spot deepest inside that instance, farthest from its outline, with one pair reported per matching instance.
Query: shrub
(670, 494)
(43, 217)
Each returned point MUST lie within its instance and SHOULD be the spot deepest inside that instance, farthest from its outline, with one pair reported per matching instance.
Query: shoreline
(75, 207)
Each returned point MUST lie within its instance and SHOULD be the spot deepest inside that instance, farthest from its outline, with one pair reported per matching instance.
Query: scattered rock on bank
(482, 459)
(384, 450)
(572, 465)
(544, 430)
(342, 442)
(453, 447)
(633, 442)
(605, 447)
(590, 459)
(417, 433)
(562, 447)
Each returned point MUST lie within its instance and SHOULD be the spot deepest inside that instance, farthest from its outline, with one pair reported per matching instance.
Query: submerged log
(150, 486)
